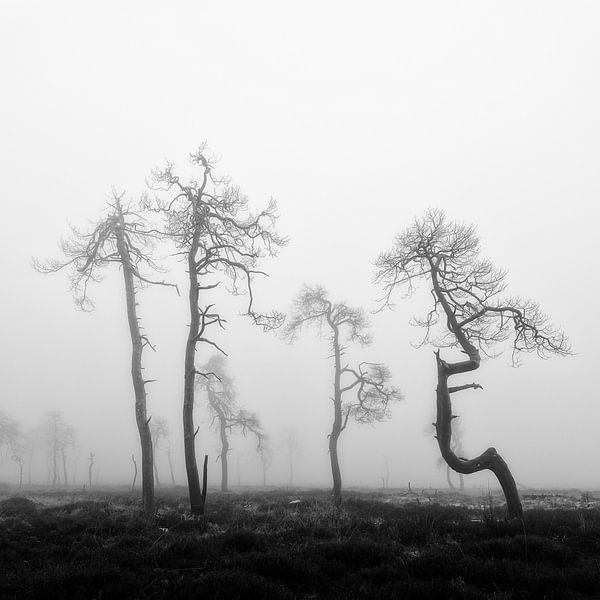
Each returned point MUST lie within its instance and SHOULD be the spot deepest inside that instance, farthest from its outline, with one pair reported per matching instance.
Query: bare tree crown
(342, 324)
(467, 290)
(209, 222)
(88, 252)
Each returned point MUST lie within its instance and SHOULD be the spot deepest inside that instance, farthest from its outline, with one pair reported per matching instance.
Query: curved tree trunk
(490, 459)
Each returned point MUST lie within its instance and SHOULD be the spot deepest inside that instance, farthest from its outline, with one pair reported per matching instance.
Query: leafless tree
(10, 434)
(91, 458)
(121, 236)
(227, 416)
(467, 301)
(341, 325)
(266, 459)
(293, 449)
(209, 222)
(159, 431)
(170, 460)
(59, 437)
(135, 472)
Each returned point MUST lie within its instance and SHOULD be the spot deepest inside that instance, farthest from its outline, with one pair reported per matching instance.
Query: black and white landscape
(299, 300)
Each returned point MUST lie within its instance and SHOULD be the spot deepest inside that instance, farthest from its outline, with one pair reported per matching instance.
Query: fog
(356, 118)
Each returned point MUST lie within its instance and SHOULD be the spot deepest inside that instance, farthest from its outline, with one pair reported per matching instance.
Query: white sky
(356, 117)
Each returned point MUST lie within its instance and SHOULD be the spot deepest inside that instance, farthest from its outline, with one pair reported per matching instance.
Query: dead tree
(209, 223)
(135, 472)
(170, 460)
(341, 325)
(19, 460)
(293, 448)
(58, 436)
(227, 416)
(159, 431)
(121, 236)
(266, 459)
(466, 292)
(91, 458)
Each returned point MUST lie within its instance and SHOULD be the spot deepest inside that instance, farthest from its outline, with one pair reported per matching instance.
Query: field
(294, 544)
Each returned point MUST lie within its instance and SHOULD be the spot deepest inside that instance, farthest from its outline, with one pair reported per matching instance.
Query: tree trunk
(490, 459)
(448, 479)
(461, 479)
(224, 451)
(169, 458)
(135, 472)
(156, 479)
(204, 482)
(90, 470)
(336, 492)
(137, 344)
(64, 465)
(189, 433)
(337, 427)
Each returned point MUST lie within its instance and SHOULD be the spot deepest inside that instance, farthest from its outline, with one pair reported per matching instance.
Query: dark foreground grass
(258, 546)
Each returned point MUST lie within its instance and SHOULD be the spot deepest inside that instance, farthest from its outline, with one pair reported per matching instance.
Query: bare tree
(213, 232)
(341, 325)
(159, 431)
(466, 291)
(170, 460)
(91, 458)
(227, 415)
(293, 449)
(11, 437)
(58, 436)
(121, 236)
(266, 459)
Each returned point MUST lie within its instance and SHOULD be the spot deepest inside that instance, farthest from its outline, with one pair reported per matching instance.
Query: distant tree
(341, 325)
(91, 458)
(293, 449)
(266, 459)
(159, 430)
(170, 460)
(385, 478)
(11, 437)
(121, 236)
(59, 437)
(467, 301)
(213, 232)
(227, 416)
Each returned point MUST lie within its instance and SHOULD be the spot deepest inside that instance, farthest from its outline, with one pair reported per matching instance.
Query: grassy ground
(257, 545)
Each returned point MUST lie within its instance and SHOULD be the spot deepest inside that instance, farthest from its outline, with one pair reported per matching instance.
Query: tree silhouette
(227, 415)
(341, 324)
(467, 302)
(209, 223)
(121, 236)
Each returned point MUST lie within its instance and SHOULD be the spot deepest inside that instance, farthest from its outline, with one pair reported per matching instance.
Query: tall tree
(121, 236)
(227, 416)
(214, 233)
(467, 293)
(341, 325)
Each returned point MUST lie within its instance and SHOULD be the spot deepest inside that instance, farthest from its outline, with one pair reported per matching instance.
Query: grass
(257, 545)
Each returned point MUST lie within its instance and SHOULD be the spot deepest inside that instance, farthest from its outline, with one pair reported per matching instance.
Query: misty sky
(356, 117)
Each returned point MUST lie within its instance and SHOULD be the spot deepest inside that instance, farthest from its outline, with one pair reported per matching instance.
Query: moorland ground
(296, 544)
